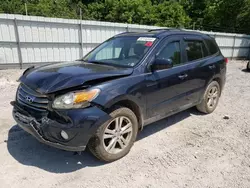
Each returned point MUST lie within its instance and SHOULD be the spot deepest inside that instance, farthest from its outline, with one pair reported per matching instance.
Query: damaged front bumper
(79, 124)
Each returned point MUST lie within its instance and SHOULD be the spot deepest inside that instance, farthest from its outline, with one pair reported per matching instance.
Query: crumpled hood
(58, 76)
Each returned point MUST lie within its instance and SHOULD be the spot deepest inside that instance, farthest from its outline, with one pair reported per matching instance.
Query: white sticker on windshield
(146, 39)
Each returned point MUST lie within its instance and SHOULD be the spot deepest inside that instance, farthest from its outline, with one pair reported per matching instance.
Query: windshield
(121, 51)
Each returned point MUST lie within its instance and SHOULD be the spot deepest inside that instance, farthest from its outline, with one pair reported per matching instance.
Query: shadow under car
(28, 151)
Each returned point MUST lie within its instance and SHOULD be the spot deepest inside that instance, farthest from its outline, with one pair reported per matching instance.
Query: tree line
(210, 15)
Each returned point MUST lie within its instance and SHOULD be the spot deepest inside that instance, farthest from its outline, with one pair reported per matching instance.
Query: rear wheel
(114, 139)
(248, 66)
(210, 99)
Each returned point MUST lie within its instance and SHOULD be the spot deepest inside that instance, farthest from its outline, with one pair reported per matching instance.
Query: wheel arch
(217, 79)
(130, 103)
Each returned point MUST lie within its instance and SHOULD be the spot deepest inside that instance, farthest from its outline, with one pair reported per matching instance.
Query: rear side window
(195, 49)
(212, 46)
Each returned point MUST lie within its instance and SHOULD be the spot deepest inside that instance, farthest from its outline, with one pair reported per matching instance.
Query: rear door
(201, 67)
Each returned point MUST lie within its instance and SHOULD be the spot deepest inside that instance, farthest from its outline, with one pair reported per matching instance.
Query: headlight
(78, 99)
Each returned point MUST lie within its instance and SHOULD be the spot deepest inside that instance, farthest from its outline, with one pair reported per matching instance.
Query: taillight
(226, 60)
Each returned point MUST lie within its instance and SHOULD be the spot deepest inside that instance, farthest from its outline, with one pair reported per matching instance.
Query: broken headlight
(77, 99)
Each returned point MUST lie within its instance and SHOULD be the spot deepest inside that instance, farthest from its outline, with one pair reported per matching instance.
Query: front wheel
(210, 99)
(114, 139)
(248, 66)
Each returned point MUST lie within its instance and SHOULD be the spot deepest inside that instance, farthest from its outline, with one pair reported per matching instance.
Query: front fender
(124, 89)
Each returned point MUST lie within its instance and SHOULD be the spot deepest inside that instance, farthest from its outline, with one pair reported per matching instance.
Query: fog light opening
(64, 135)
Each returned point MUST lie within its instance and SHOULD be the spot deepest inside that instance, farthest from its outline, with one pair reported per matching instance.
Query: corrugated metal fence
(25, 40)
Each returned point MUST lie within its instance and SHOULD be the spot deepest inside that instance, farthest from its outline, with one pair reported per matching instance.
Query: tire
(248, 66)
(100, 146)
(206, 106)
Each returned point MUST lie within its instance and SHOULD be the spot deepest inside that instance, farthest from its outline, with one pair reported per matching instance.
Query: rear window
(212, 46)
(195, 50)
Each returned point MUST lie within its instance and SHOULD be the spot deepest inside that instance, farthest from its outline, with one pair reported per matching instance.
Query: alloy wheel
(117, 135)
(212, 97)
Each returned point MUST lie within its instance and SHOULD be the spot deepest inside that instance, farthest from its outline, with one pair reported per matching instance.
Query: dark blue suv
(127, 82)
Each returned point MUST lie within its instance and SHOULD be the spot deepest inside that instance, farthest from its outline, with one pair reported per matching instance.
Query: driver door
(167, 87)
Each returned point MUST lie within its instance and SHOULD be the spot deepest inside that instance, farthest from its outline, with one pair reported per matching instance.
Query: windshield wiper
(95, 62)
(109, 64)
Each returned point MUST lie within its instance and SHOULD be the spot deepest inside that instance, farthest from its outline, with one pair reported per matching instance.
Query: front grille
(32, 99)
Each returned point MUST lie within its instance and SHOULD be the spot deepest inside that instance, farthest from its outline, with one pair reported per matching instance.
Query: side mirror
(160, 64)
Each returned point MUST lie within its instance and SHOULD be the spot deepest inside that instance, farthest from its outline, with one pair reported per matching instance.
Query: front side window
(122, 51)
(171, 51)
(195, 50)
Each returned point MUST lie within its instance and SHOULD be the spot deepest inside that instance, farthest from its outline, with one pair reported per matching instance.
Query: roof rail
(158, 30)
(124, 33)
(165, 29)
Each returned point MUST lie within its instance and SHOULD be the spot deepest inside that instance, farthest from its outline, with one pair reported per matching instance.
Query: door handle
(183, 76)
(211, 66)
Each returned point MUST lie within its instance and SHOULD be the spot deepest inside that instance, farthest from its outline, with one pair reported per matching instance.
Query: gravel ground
(185, 150)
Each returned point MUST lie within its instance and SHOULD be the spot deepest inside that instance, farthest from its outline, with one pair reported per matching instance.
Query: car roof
(161, 33)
